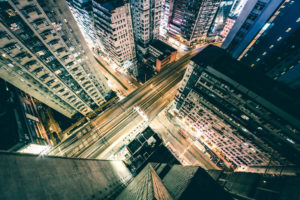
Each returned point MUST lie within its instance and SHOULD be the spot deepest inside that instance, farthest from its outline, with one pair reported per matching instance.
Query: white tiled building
(114, 30)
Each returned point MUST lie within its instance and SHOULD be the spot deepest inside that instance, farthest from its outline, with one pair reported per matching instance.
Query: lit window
(258, 59)
(271, 46)
(298, 20)
(288, 30)
(252, 65)
(278, 39)
(264, 53)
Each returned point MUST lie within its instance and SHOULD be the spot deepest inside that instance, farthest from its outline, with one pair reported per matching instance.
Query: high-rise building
(250, 22)
(82, 11)
(67, 178)
(238, 113)
(227, 27)
(20, 123)
(275, 51)
(167, 9)
(113, 25)
(146, 16)
(60, 178)
(44, 54)
(191, 20)
(237, 7)
(220, 20)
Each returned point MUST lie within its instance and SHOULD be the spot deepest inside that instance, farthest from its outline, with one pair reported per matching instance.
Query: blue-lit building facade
(276, 51)
(190, 21)
(249, 23)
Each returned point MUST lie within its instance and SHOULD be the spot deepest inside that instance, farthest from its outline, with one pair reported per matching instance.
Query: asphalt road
(95, 137)
(183, 148)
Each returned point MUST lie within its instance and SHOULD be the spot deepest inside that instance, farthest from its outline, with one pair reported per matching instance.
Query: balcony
(48, 35)
(45, 77)
(61, 51)
(57, 87)
(22, 58)
(38, 72)
(31, 12)
(4, 39)
(41, 27)
(66, 59)
(31, 65)
(33, 16)
(12, 49)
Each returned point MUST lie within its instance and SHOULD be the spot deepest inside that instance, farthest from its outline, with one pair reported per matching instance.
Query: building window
(278, 39)
(271, 46)
(288, 30)
(264, 53)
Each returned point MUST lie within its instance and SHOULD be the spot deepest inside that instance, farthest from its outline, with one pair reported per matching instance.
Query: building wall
(251, 20)
(44, 54)
(167, 60)
(229, 111)
(167, 8)
(114, 30)
(275, 50)
(228, 25)
(83, 14)
(26, 176)
(191, 20)
(146, 16)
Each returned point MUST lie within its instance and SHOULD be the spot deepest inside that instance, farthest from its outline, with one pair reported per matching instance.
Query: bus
(183, 133)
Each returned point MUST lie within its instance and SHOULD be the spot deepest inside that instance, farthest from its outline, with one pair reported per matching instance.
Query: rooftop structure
(160, 54)
(69, 178)
(20, 123)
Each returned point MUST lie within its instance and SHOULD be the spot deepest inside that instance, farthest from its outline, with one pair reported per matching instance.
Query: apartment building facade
(44, 54)
(191, 20)
(237, 113)
(250, 22)
(146, 16)
(275, 51)
(82, 11)
(167, 9)
(113, 25)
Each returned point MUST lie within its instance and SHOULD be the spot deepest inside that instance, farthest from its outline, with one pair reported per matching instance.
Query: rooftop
(111, 4)
(275, 92)
(162, 47)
